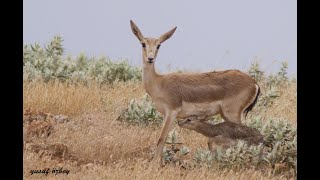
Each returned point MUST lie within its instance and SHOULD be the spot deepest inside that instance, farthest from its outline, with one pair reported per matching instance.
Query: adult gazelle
(230, 93)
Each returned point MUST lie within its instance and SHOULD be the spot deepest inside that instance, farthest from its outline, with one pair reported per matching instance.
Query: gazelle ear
(136, 31)
(167, 35)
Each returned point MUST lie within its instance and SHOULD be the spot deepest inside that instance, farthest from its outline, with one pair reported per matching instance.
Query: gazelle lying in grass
(223, 134)
(229, 93)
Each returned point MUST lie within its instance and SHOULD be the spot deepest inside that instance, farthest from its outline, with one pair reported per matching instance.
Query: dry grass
(284, 107)
(74, 100)
(138, 170)
(109, 149)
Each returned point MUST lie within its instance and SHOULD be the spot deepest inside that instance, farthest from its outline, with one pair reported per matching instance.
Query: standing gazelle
(181, 95)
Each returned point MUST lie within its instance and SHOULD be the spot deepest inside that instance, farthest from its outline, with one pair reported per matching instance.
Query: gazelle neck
(149, 76)
(207, 129)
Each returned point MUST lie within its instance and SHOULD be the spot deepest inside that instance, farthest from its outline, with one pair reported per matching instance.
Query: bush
(255, 72)
(174, 153)
(47, 64)
(141, 112)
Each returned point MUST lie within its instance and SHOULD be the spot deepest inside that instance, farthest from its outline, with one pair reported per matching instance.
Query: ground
(75, 127)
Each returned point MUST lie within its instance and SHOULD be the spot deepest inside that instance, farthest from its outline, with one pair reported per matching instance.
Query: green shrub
(47, 63)
(174, 154)
(280, 78)
(255, 71)
(203, 157)
(141, 112)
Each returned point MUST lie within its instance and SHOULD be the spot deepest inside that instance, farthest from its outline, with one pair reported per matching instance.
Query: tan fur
(224, 134)
(180, 95)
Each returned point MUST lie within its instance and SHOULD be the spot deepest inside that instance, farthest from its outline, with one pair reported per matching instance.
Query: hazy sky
(211, 34)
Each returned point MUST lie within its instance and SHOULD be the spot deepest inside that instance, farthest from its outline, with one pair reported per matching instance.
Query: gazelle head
(150, 46)
(189, 123)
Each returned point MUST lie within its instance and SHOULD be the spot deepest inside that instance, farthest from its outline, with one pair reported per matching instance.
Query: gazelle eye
(188, 120)
(158, 46)
(143, 45)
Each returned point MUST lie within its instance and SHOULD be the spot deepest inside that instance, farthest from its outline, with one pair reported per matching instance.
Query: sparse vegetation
(46, 63)
(141, 112)
(110, 125)
(255, 71)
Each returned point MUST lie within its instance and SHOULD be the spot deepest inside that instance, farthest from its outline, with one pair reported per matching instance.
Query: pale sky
(211, 34)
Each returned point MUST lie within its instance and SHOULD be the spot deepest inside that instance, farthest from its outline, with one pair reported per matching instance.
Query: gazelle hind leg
(233, 108)
(231, 115)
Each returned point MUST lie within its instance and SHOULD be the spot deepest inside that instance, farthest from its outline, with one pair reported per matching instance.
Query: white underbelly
(201, 110)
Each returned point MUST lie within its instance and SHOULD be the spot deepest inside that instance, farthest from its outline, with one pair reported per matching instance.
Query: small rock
(61, 118)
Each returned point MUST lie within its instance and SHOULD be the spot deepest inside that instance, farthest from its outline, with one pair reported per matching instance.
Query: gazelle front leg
(168, 121)
(210, 145)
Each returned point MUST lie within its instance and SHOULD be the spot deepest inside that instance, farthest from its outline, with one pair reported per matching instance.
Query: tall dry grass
(73, 100)
(284, 107)
(93, 134)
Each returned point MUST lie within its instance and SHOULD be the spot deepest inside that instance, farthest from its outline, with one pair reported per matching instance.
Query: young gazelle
(223, 134)
(230, 93)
